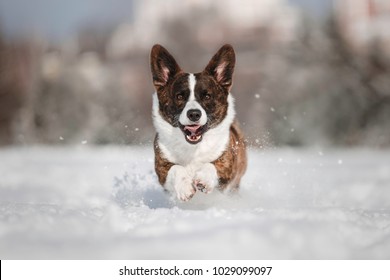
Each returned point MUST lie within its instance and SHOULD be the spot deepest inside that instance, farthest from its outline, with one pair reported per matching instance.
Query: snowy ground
(105, 203)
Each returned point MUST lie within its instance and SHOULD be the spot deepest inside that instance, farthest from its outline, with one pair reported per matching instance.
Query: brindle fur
(215, 81)
(231, 165)
(161, 165)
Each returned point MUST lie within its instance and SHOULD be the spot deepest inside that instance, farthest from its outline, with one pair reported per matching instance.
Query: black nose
(194, 114)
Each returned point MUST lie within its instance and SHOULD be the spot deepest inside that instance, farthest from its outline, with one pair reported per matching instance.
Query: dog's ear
(221, 66)
(163, 66)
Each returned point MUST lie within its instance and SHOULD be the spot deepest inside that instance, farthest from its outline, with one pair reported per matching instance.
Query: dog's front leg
(179, 180)
(206, 178)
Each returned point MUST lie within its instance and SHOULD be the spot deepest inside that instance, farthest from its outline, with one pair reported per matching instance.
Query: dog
(198, 145)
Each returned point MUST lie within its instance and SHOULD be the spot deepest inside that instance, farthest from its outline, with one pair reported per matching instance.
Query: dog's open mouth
(193, 133)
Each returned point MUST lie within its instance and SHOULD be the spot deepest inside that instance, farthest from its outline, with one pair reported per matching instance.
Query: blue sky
(59, 19)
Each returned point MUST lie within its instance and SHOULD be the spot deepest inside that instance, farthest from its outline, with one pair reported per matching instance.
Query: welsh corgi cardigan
(199, 145)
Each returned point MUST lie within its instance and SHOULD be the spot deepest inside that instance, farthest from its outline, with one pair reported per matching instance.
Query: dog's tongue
(192, 129)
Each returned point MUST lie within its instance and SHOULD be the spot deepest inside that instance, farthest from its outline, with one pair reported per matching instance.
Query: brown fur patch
(170, 106)
(232, 164)
(161, 164)
(212, 97)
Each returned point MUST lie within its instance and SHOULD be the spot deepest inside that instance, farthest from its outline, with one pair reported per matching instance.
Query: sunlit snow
(106, 203)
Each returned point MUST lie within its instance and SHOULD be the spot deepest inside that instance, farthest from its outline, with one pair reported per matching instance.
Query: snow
(90, 202)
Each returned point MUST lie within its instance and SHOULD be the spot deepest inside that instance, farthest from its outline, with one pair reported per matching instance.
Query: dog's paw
(206, 178)
(180, 181)
(185, 191)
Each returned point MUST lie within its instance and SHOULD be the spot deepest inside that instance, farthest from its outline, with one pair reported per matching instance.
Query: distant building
(365, 22)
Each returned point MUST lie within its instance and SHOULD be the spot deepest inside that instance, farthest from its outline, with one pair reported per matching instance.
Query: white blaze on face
(192, 104)
(191, 85)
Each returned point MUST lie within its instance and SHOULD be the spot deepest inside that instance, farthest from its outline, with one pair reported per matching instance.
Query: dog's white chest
(178, 151)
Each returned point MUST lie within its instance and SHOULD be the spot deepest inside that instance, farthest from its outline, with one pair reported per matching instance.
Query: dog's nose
(194, 114)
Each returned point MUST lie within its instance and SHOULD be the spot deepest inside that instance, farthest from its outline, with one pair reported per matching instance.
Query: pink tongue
(192, 128)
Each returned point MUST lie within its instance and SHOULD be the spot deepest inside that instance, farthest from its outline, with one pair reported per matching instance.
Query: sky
(59, 19)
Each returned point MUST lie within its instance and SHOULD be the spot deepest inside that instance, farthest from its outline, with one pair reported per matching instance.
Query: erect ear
(221, 66)
(163, 66)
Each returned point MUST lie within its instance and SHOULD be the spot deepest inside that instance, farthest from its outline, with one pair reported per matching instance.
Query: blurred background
(308, 73)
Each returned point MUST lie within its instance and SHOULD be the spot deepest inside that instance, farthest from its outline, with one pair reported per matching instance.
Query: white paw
(206, 178)
(180, 181)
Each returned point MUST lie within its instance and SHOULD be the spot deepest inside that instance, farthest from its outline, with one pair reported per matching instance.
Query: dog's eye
(206, 95)
(180, 96)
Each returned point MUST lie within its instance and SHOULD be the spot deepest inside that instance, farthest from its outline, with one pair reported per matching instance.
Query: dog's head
(196, 102)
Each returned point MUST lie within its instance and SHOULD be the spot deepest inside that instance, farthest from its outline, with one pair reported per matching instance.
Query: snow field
(105, 203)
